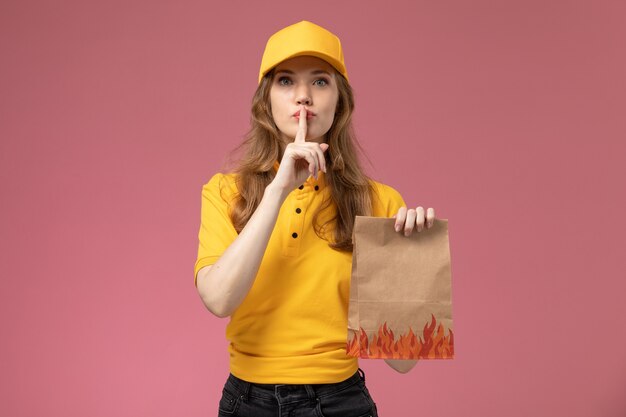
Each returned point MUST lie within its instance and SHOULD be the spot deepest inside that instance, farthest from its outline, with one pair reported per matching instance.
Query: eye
(323, 80)
(281, 79)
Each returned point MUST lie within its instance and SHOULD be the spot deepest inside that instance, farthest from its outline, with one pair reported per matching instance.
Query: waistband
(245, 389)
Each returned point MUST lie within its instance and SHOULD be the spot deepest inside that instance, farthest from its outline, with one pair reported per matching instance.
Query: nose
(303, 95)
(303, 99)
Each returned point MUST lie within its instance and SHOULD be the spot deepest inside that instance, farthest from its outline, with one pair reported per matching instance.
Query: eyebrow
(315, 72)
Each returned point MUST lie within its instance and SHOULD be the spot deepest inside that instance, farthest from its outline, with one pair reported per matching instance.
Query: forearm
(229, 280)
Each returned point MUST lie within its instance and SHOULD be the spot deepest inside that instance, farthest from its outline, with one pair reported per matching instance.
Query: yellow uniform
(291, 328)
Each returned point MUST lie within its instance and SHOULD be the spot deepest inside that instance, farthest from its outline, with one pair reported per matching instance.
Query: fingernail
(406, 233)
(397, 227)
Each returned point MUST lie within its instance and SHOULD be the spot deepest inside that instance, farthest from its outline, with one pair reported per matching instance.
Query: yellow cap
(303, 38)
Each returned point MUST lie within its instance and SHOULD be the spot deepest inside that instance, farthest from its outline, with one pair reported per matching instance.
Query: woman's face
(304, 80)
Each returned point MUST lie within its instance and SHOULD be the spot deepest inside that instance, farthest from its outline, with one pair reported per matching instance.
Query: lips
(309, 114)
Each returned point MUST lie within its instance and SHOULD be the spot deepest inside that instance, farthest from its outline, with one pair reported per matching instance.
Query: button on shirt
(291, 327)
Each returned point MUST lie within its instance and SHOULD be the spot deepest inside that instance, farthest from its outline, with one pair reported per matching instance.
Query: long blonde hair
(350, 188)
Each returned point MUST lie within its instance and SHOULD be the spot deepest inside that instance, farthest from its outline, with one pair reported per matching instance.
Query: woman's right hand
(301, 159)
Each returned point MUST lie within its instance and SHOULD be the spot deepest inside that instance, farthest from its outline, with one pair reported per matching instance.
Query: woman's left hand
(406, 220)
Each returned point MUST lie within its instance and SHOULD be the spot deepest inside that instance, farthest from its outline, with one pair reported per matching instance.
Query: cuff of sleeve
(201, 263)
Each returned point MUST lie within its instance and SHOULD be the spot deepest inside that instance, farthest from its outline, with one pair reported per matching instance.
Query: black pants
(348, 398)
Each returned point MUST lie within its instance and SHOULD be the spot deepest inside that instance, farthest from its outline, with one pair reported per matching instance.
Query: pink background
(506, 117)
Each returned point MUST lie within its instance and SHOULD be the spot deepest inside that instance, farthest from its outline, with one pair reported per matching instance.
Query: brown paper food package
(400, 292)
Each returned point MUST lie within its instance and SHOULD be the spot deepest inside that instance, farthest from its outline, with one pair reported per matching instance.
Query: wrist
(274, 191)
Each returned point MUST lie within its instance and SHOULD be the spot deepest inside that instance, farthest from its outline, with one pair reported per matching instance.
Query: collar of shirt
(311, 184)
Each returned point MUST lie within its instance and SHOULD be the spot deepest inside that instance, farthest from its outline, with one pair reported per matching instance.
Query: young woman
(275, 247)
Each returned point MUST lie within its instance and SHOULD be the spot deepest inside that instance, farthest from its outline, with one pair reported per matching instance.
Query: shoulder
(384, 191)
(222, 185)
(386, 200)
(221, 179)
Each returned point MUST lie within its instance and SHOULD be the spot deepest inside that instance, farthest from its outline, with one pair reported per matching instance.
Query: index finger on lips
(301, 133)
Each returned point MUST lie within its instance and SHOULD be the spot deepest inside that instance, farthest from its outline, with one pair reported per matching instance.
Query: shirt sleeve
(216, 229)
(386, 201)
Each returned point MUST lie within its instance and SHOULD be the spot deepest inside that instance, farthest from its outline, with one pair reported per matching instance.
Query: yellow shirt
(292, 326)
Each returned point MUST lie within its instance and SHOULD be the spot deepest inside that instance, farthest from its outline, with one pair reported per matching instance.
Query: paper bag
(400, 292)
